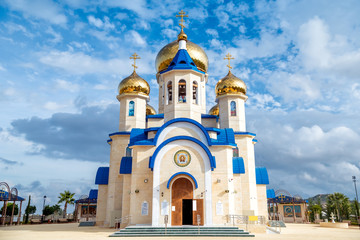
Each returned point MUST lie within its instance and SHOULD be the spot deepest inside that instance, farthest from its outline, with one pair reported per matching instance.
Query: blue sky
(61, 63)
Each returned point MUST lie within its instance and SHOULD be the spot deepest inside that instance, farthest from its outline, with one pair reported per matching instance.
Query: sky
(62, 60)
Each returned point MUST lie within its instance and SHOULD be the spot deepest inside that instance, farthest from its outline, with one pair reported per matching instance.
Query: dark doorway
(187, 212)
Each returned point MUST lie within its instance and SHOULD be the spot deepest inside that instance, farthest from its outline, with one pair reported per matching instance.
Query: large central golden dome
(167, 53)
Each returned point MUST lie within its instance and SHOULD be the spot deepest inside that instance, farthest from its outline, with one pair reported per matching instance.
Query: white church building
(181, 163)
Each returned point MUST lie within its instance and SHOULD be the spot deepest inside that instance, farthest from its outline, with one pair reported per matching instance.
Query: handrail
(118, 221)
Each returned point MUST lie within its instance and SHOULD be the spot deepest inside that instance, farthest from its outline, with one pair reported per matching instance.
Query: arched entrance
(184, 208)
(182, 193)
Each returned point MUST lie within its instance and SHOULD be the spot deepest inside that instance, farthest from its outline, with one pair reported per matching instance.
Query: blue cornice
(245, 133)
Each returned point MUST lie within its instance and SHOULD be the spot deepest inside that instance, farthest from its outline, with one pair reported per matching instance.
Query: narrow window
(195, 93)
(182, 91)
(236, 152)
(128, 152)
(233, 108)
(131, 108)
(169, 88)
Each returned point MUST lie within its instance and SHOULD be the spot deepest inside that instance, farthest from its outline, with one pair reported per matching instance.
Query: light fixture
(146, 180)
(227, 191)
(162, 194)
(137, 191)
(218, 180)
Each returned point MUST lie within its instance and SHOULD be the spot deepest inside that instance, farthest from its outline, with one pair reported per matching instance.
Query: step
(180, 235)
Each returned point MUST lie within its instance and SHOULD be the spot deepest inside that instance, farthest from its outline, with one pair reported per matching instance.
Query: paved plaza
(73, 232)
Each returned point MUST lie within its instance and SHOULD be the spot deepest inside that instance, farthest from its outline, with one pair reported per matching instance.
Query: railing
(119, 221)
(245, 219)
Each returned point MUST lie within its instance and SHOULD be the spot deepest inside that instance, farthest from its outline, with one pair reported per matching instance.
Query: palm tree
(68, 198)
(340, 203)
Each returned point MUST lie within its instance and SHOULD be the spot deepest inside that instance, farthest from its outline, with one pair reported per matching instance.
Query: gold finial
(134, 56)
(229, 57)
(181, 16)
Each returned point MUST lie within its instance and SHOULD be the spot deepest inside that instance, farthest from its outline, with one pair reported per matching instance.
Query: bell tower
(133, 95)
(231, 96)
(182, 84)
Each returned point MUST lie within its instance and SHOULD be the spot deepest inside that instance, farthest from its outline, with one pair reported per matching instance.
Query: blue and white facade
(214, 154)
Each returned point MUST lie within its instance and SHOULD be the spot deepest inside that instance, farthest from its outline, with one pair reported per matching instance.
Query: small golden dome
(214, 110)
(150, 110)
(134, 84)
(167, 53)
(182, 36)
(230, 84)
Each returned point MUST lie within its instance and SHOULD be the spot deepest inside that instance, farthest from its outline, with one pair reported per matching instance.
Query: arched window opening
(195, 93)
(128, 152)
(233, 108)
(236, 152)
(182, 91)
(131, 108)
(170, 93)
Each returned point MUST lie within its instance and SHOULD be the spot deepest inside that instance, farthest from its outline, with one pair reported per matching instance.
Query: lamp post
(42, 217)
(357, 200)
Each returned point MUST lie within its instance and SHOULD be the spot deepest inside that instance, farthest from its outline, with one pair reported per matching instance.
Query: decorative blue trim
(163, 144)
(160, 115)
(184, 173)
(255, 140)
(182, 60)
(245, 133)
(175, 120)
(102, 176)
(262, 176)
(270, 193)
(93, 194)
(119, 133)
(238, 165)
(225, 137)
(126, 165)
(208, 116)
(109, 141)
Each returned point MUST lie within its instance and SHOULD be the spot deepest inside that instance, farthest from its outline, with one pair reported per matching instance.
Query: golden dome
(182, 36)
(214, 110)
(150, 110)
(134, 84)
(230, 84)
(167, 53)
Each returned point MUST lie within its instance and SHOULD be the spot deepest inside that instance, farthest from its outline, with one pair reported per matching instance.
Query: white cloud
(40, 9)
(212, 32)
(313, 43)
(53, 106)
(137, 38)
(80, 63)
(97, 22)
(121, 16)
(2, 67)
(62, 84)
(57, 36)
(169, 33)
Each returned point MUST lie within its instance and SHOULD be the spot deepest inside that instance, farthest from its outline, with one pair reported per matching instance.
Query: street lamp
(42, 217)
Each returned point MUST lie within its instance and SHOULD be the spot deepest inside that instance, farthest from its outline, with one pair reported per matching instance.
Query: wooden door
(199, 211)
(181, 189)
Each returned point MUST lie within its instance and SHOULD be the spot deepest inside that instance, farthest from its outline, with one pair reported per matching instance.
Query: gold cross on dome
(229, 57)
(181, 16)
(134, 56)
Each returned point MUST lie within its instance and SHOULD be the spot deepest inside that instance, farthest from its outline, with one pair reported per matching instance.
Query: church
(181, 165)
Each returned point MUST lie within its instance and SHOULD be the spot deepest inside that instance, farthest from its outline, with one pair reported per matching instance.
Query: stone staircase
(184, 231)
